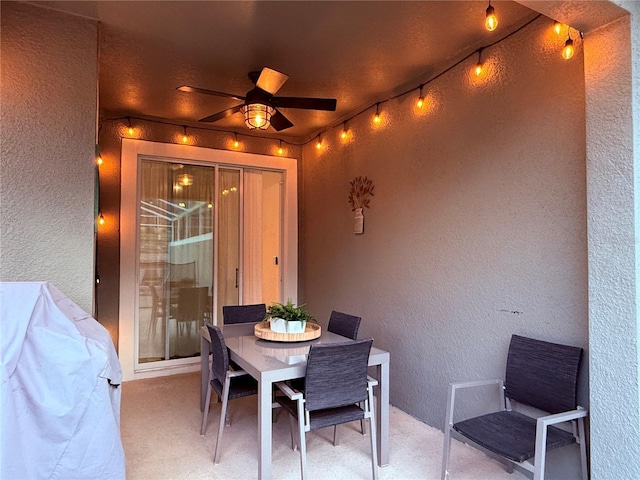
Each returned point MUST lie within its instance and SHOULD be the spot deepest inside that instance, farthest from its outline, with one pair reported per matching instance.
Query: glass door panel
(175, 253)
(262, 239)
(228, 260)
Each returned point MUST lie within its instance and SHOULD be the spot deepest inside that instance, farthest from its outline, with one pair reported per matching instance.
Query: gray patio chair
(227, 383)
(336, 383)
(344, 324)
(347, 326)
(539, 374)
(244, 313)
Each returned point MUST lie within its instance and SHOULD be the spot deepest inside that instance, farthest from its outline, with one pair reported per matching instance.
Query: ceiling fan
(260, 106)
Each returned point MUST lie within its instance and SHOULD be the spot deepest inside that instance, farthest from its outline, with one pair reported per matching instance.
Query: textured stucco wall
(613, 155)
(49, 75)
(477, 229)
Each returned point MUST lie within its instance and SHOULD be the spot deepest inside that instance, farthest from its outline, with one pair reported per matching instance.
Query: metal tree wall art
(360, 191)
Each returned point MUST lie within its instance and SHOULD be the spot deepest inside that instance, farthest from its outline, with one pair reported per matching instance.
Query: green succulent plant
(289, 312)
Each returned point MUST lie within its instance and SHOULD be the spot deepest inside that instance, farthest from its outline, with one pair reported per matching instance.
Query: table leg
(264, 429)
(205, 351)
(382, 413)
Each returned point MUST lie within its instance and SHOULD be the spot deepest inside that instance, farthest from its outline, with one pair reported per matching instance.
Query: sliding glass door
(208, 236)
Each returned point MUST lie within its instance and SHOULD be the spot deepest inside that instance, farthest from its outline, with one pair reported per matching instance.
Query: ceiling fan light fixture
(185, 180)
(257, 115)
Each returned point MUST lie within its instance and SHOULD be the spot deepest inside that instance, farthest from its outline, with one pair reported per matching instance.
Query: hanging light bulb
(236, 143)
(185, 139)
(376, 117)
(98, 156)
(100, 218)
(319, 142)
(280, 149)
(420, 102)
(568, 50)
(478, 68)
(130, 131)
(491, 21)
(344, 134)
(557, 27)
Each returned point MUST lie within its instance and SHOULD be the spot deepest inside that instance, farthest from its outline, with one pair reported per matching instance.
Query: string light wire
(315, 137)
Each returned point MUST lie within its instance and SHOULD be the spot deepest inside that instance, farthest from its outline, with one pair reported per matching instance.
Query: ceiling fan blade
(189, 89)
(223, 114)
(305, 103)
(280, 122)
(271, 80)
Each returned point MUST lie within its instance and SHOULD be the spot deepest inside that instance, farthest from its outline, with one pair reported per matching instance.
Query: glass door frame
(132, 151)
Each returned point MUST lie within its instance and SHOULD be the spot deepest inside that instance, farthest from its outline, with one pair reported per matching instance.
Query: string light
(491, 21)
(376, 117)
(568, 50)
(344, 134)
(185, 139)
(100, 219)
(478, 68)
(557, 27)
(280, 149)
(420, 102)
(99, 160)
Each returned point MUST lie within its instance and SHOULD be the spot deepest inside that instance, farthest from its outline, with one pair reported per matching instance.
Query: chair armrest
(472, 384)
(541, 436)
(371, 381)
(561, 417)
(288, 391)
(236, 373)
(454, 386)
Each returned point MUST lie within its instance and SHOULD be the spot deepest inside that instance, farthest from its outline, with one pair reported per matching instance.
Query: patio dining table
(269, 362)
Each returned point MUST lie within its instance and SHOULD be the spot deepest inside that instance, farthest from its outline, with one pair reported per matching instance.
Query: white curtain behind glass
(253, 228)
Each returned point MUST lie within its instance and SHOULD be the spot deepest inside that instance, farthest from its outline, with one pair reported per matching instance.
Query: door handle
(236, 278)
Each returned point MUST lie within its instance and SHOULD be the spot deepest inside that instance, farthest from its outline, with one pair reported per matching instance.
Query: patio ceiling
(358, 52)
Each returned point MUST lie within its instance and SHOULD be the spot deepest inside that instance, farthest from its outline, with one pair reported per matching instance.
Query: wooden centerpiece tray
(263, 330)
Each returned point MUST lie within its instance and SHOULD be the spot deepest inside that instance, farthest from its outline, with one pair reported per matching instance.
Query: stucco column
(613, 158)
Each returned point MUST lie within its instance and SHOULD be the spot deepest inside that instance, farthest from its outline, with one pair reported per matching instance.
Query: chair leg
(302, 441)
(583, 449)
(227, 419)
(448, 425)
(223, 413)
(205, 414)
(292, 422)
(541, 450)
(335, 435)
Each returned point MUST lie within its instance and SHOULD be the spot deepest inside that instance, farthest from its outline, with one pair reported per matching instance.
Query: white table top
(277, 361)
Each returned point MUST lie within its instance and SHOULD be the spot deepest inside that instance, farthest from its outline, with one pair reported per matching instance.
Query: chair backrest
(542, 374)
(344, 324)
(244, 313)
(192, 303)
(336, 374)
(220, 364)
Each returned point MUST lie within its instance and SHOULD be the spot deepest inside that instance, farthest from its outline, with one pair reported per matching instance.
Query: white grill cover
(60, 389)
